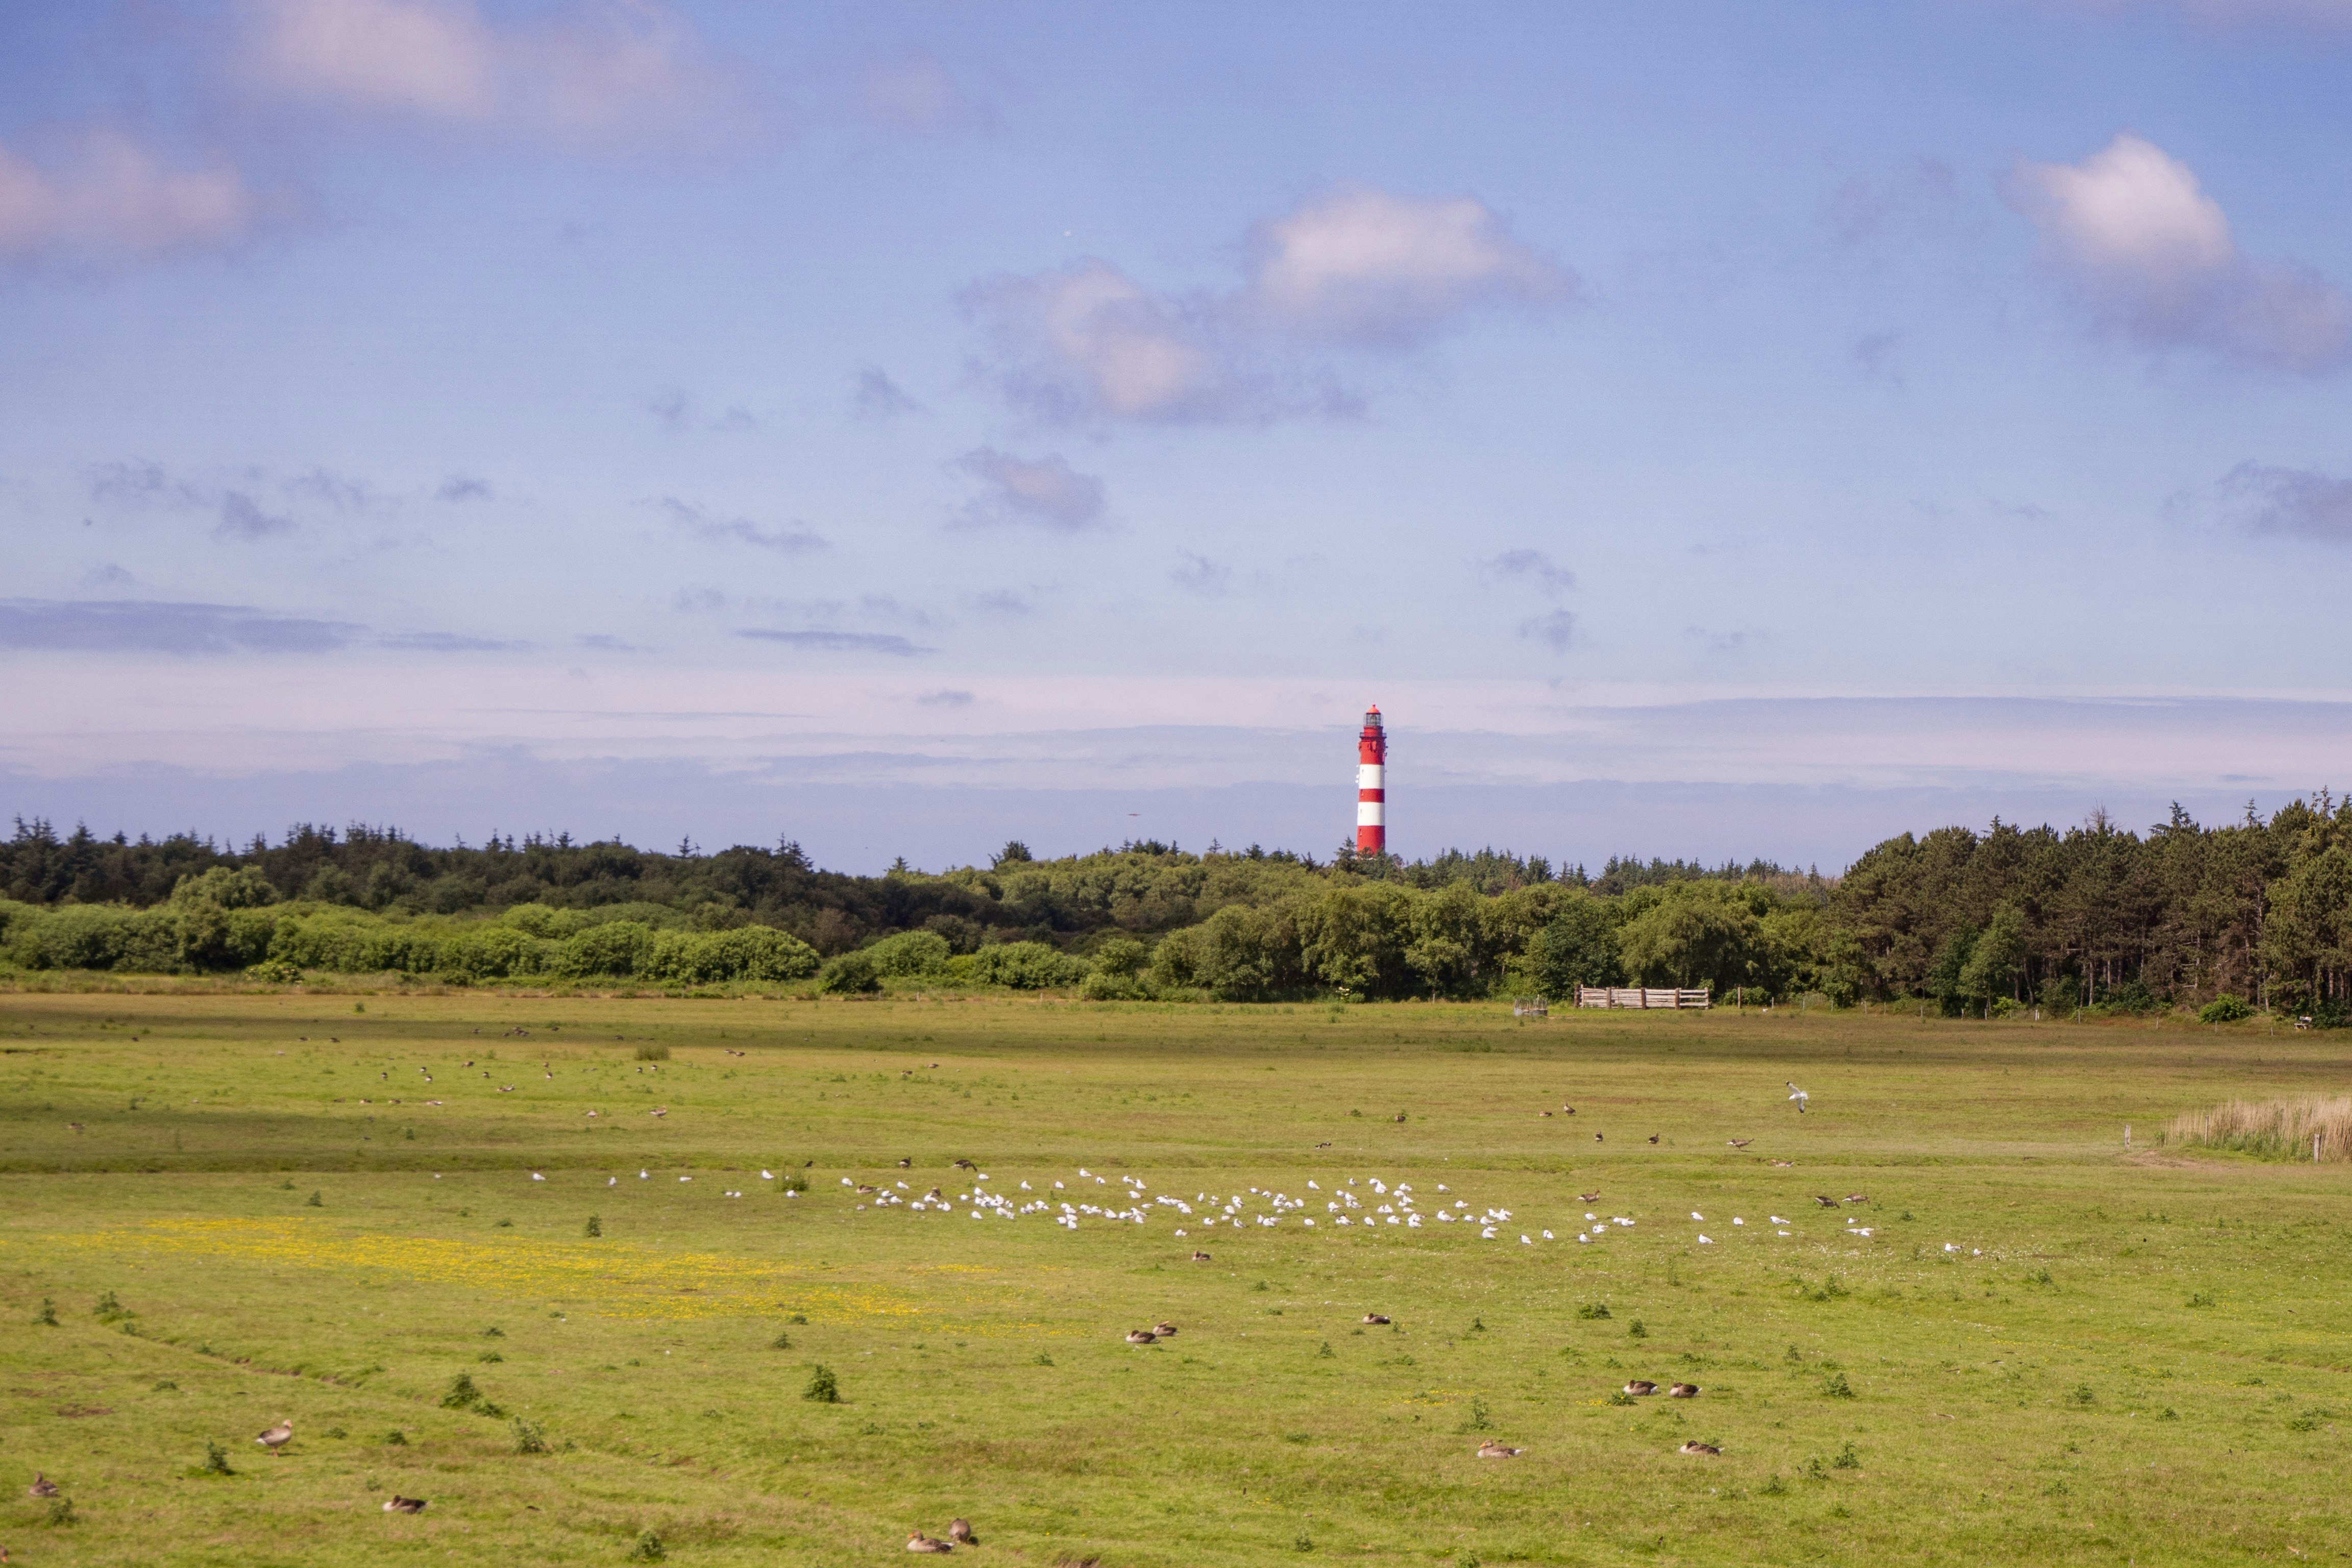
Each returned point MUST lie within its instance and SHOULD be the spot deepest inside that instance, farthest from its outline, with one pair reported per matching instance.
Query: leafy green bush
(850, 975)
(2225, 1009)
(1025, 966)
(909, 952)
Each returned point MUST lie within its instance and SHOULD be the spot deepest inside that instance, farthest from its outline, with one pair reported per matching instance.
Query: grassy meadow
(238, 1207)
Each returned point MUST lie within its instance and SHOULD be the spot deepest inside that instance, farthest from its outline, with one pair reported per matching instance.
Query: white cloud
(108, 197)
(599, 74)
(1043, 490)
(2132, 229)
(1090, 341)
(1364, 266)
(1533, 567)
(1353, 267)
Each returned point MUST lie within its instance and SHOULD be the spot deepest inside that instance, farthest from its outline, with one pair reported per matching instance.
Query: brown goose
(1200, 1257)
(1590, 1198)
(277, 1437)
(1698, 1447)
(959, 1532)
(1825, 1203)
(1857, 1197)
(1641, 1386)
(43, 1486)
(863, 1188)
(1376, 1317)
(1490, 1449)
(1654, 1137)
(400, 1504)
(1784, 1164)
(965, 1166)
(1165, 1331)
(905, 1164)
(918, 1541)
(1683, 1391)
(1739, 1142)
(1141, 1337)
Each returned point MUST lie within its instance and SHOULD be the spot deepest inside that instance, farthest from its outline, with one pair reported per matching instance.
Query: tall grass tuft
(2271, 1129)
(651, 1052)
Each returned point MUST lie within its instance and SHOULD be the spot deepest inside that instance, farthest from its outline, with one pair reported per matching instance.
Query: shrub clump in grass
(649, 1548)
(1041, 1359)
(1327, 1353)
(1303, 1543)
(1638, 1331)
(798, 1320)
(217, 1460)
(528, 1439)
(1835, 1386)
(596, 1227)
(48, 1316)
(315, 1201)
(1592, 1311)
(2169, 1413)
(1773, 1486)
(782, 1341)
(462, 1394)
(61, 1512)
(2083, 1394)
(110, 1308)
(487, 1357)
(1847, 1459)
(652, 1052)
(165, 1385)
(395, 1438)
(823, 1388)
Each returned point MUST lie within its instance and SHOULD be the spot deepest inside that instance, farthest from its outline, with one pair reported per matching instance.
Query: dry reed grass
(2276, 1128)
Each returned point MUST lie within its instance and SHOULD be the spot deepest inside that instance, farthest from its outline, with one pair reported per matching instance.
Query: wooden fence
(1641, 996)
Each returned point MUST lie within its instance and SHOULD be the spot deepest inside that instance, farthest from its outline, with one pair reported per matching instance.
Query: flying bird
(1800, 1096)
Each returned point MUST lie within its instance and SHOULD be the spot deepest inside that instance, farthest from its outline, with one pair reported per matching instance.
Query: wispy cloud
(104, 197)
(137, 626)
(877, 396)
(1534, 568)
(2296, 502)
(595, 75)
(1045, 490)
(945, 700)
(1354, 268)
(1198, 574)
(242, 518)
(447, 642)
(2133, 231)
(795, 540)
(457, 488)
(1554, 628)
(914, 94)
(140, 484)
(838, 642)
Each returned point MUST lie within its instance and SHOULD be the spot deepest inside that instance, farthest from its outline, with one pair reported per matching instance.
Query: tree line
(2094, 916)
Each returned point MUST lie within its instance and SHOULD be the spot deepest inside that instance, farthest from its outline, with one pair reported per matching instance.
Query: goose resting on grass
(1641, 1386)
(1683, 1391)
(1200, 1257)
(1165, 1331)
(1141, 1337)
(959, 1532)
(1376, 1317)
(918, 1541)
(1490, 1449)
(277, 1437)
(1698, 1447)
(43, 1486)
(400, 1504)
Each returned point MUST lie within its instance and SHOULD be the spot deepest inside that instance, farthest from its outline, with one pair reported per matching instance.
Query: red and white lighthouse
(1371, 788)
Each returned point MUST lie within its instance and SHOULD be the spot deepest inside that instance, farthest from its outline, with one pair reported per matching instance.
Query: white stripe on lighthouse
(1368, 775)
(1370, 814)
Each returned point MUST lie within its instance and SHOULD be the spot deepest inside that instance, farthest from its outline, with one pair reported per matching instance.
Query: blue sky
(1705, 429)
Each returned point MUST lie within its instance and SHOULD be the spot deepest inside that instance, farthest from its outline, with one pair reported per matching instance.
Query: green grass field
(2046, 1348)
